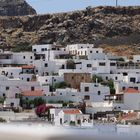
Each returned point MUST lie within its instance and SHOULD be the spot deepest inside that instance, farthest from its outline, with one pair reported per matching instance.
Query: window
(90, 51)
(133, 79)
(31, 57)
(136, 88)
(97, 52)
(36, 70)
(89, 65)
(23, 57)
(12, 104)
(60, 93)
(28, 79)
(46, 80)
(32, 88)
(63, 66)
(34, 50)
(86, 97)
(106, 78)
(72, 77)
(86, 89)
(42, 49)
(7, 88)
(54, 80)
(46, 65)
(123, 88)
(125, 74)
(112, 64)
(99, 92)
(16, 95)
(4, 95)
(45, 49)
(101, 64)
(116, 78)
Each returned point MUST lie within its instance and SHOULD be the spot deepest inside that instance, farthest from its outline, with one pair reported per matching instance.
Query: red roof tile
(33, 93)
(130, 116)
(72, 111)
(131, 90)
(28, 67)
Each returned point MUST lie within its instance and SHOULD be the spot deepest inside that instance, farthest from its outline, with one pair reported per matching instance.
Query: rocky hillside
(15, 8)
(101, 25)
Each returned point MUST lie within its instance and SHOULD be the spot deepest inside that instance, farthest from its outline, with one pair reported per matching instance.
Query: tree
(43, 110)
(60, 85)
(121, 59)
(2, 100)
(96, 78)
(38, 101)
(70, 64)
(110, 84)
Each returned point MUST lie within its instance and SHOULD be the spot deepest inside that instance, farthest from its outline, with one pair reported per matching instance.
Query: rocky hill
(15, 8)
(100, 25)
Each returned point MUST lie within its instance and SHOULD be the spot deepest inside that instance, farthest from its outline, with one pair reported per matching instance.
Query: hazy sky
(52, 6)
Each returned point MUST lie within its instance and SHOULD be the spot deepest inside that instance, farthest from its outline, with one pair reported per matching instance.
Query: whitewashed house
(43, 67)
(11, 88)
(94, 66)
(11, 72)
(23, 58)
(11, 102)
(52, 79)
(68, 117)
(94, 92)
(136, 58)
(74, 49)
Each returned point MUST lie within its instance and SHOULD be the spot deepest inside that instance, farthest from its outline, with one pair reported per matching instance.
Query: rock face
(100, 24)
(15, 8)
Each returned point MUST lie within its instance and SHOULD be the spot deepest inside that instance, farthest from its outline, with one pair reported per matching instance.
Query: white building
(136, 58)
(94, 92)
(12, 102)
(11, 88)
(94, 66)
(43, 67)
(50, 79)
(68, 117)
(23, 58)
(73, 49)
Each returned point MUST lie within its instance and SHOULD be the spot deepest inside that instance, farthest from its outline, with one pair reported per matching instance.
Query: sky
(54, 6)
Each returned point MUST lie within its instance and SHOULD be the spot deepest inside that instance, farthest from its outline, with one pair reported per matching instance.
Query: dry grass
(121, 50)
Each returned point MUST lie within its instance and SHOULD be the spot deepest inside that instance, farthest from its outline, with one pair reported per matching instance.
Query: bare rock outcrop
(15, 8)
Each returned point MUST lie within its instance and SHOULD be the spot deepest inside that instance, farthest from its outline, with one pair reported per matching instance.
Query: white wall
(95, 66)
(10, 87)
(136, 58)
(48, 79)
(11, 71)
(23, 58)
(45, 67)
(132, 101)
